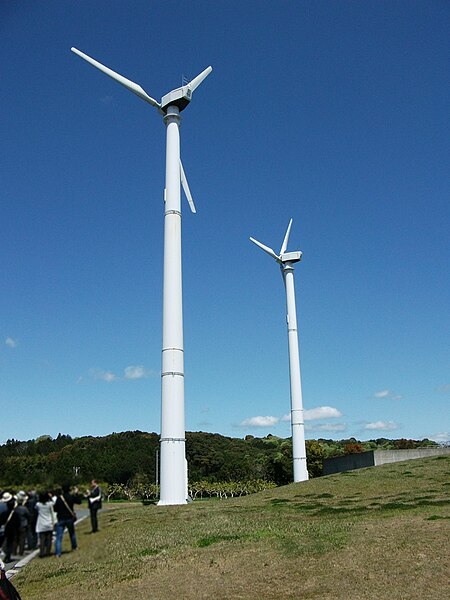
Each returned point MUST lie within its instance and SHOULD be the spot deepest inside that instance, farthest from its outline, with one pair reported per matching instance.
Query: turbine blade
(186, 189)
(286, 238)
(130, 85)
(197, 80)
(269, 251)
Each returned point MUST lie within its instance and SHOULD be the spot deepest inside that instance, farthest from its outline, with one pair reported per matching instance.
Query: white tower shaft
(297, 422)
(173, 482)
(173, 468)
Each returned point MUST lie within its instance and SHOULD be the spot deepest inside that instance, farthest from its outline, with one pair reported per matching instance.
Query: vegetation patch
(397, 506)
(215, 539)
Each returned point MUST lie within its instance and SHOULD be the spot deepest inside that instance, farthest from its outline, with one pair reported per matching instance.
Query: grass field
(375, 533)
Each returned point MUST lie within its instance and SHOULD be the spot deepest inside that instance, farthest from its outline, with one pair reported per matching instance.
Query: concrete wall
(348, 462)
(377, 457)
(382, 457)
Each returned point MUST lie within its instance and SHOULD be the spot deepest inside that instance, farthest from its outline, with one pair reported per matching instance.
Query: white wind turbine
(173, 475)
(286, 260)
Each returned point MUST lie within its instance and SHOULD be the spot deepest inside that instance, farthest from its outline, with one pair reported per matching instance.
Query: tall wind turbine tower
(173, 472)
(286, 260)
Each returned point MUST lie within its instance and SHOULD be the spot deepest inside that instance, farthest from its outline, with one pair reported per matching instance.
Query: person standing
(5, 497)
(24, 518)
(45, 523)
(10, 520)
(66, 517)
(31, 505)
(95, 503)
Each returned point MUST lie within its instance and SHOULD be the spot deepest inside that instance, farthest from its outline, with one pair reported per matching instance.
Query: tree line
(121, 458)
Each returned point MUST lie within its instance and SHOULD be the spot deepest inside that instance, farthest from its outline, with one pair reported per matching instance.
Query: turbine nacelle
(291, 257)
(183, 95)
(179, 97)
(283, 257)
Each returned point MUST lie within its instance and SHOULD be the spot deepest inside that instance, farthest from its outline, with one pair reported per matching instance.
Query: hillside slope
(374, 533)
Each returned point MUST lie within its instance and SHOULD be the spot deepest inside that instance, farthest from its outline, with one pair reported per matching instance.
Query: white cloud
(327, 427)
(381, 426)
(130, 373)
(260, 421)
(321, 412)
(136, 372)
(107, 376)
(387, 394)
(382, 394)
(444, 388)
(443, 436)
(10, 342)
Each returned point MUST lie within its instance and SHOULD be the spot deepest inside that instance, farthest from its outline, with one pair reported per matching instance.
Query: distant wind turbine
(173, 475)
(286, 260)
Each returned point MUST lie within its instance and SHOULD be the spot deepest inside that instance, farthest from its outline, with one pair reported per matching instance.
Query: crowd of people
(29, 520)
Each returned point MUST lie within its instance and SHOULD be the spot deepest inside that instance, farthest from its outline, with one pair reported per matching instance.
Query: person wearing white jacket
(45, 523)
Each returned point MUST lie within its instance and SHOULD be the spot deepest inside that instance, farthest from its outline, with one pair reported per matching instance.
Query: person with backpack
(66, 517)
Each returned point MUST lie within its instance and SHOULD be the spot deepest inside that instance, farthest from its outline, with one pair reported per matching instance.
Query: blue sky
(332, 113)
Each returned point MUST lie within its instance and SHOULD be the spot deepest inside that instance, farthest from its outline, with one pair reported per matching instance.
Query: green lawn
(376, 533)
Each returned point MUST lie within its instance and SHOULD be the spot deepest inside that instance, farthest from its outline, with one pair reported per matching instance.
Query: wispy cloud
(136, 372)
(443, 436)
(101, 375)
(132, 372)
(382, 394)
(444, 388)
(260, 421)
(107, 100)
(381, 426)
(388, 394)
(10, 342)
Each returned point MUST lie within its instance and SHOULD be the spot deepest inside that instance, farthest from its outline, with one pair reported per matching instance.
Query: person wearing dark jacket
(10, 519)
(66, 517)
(24, 518)
(95, 503)
(31, 505)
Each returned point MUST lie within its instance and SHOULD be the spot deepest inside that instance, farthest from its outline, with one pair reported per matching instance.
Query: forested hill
(121, 457)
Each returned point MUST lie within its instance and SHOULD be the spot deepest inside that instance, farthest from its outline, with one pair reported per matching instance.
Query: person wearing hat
(10, 520)
(3, 500)
(3, 509)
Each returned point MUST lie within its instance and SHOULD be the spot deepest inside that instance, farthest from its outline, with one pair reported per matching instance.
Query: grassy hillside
(375, 533)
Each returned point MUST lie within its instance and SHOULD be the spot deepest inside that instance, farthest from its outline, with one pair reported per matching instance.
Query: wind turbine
(286, 260)
(173, 470)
